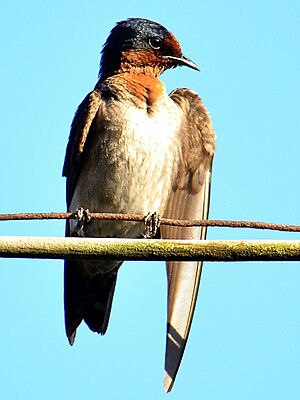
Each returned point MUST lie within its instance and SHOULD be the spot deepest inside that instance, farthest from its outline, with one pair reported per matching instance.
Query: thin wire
(163, 221)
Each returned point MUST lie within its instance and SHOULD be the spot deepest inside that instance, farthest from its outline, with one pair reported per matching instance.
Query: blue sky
(245, 339)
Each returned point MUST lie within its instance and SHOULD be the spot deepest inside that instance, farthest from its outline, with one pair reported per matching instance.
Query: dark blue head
(140, 43)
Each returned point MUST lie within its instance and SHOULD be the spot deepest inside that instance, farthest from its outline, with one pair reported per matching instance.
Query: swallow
(135, 149)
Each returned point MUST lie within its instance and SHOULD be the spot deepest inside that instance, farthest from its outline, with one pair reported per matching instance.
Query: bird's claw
(152, 229)
(83, 217)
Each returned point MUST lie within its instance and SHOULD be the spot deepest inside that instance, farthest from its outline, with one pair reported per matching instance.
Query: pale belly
(129, 170)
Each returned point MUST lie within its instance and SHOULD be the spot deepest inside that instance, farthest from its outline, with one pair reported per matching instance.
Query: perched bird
(135, 149)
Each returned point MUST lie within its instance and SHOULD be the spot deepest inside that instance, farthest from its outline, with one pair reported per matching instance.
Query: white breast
(131, 164)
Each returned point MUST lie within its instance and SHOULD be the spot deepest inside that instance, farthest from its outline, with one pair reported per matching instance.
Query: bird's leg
(152, 229)
(83, 217)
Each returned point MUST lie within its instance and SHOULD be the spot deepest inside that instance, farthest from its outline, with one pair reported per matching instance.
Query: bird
(134, 148)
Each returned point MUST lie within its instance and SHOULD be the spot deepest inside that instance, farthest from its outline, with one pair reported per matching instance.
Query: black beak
(183, 61)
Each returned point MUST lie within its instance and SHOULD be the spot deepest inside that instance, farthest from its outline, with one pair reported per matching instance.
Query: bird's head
(141, 46)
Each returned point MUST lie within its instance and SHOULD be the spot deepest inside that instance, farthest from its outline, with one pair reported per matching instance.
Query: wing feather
(80, 132)
(188, 200)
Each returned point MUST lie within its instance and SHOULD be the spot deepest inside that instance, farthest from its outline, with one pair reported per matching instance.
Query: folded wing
(189, 199)
(79, 305)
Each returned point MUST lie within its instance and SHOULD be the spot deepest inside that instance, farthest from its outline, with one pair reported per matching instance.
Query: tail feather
(87, 298)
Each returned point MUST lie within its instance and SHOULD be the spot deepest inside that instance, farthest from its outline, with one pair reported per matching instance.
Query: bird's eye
(155, 43)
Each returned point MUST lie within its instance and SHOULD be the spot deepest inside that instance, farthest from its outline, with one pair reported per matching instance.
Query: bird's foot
(152, 229)
(83, 217)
